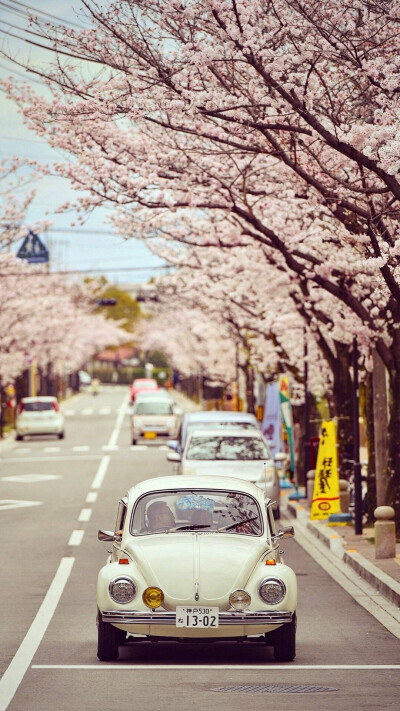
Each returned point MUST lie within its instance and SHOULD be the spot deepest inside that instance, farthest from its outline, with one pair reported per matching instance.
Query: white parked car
(153, 417)
(39, 415)
(196, 558)
(231, 452)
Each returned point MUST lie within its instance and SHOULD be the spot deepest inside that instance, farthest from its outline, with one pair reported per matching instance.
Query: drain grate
(273, 689)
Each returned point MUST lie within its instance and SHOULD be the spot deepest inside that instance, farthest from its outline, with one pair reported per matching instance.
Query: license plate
(150, 435)
(201, 617)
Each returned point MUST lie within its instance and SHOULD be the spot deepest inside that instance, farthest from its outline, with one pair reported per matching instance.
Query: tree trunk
(393, 463)
(342, 394)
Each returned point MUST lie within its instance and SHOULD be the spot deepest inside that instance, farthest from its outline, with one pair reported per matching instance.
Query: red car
(143, 385)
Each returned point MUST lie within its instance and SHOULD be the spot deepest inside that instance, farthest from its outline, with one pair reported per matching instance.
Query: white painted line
(138, 447)
(110, 447)
(8, 460)
(22, 449)
(85, 515)
(23, 658)
(69, 413)
(272, 666)
(91, 497)
(51, 449)
(76, 538)
(31, 478)
(17, 504)
(88, 411)
(105, 411)
(101, 472)
(81, 448)
(114, 436)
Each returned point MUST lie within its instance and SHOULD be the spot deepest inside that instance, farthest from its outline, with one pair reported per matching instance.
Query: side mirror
(105, 535)
(173, 457)
(286, 532)
(173, 444)
(280, 457)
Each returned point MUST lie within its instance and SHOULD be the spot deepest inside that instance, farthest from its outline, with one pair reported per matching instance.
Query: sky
(94, 246)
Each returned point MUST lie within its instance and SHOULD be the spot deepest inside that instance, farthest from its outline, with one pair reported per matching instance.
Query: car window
(187, 510)
(227, 448)
(37, 406)
(151, 407)
(214, 425)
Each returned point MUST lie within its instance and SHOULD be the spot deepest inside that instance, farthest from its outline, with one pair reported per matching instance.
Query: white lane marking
(50, 459)
(105, 411)
(23, 658)
(51, 449)
(22, 449)
(138, 447)
(114, 436)
(110, 447)
(76, 538)
(91, 497)
(88, 411)
(69, 413)
(85, 515)
(16, 504)
(81, 448)
(272, 666)
(101, 472)
(30, 478)
(164, 448)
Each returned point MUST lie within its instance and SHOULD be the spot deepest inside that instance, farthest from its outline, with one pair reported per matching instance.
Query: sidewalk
(356, 551)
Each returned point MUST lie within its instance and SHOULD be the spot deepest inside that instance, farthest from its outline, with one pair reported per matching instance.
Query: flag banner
(287, 416)
(326, 499)
(272, 424)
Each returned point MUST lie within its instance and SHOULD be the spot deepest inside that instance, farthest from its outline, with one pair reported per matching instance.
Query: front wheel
(61, 435)
(108, 640)
(134, 440)
(285, 641)
(19, 437)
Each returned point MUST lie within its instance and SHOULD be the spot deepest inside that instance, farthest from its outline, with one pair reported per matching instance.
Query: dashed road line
(91, 497)
(85, 515)
(272, 667)
(101, 472)
(76, 538)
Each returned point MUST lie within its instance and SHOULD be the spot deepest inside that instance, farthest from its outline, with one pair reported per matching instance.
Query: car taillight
(55, 405)
(20, 407)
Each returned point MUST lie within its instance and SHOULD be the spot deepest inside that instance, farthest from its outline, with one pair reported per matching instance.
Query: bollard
(344, 495)
(310, 485)
(385, 532)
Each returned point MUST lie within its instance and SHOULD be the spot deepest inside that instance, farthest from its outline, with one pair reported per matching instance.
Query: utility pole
(358, 527)
(306, 409)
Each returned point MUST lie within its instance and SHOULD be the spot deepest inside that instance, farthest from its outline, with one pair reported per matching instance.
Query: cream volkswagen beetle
(196, 558)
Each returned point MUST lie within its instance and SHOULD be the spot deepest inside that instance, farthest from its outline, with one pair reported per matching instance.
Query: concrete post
(310, 486)
(385, 532)
(344, 495)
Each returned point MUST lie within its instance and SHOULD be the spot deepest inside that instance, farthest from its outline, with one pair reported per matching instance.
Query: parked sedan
(212, 419)
(153, 417)
(39, 416)
(193, 559)
(231, 452)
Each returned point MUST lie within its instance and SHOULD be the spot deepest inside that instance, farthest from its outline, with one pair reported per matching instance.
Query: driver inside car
(159, 516)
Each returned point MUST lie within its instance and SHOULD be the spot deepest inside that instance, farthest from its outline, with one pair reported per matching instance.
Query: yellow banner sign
(326, 485)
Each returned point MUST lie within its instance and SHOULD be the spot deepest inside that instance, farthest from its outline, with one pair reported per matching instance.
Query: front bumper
(136, 617)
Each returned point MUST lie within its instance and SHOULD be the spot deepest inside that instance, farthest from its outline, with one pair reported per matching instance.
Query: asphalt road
(54, 496)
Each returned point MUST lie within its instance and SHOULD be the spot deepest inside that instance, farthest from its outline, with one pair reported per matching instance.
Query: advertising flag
(326, 485)
(287, 416)
(272, 424)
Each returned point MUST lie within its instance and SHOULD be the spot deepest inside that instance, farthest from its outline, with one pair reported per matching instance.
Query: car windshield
(143, 384)
(152, 407)
(37, 406)
(187, 510)
(208, 424)
(226, 447)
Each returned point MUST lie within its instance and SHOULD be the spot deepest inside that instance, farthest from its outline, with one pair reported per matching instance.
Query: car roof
(220, 416)
(225, 432)
(144, 380)
(225, 483)
(39, 398)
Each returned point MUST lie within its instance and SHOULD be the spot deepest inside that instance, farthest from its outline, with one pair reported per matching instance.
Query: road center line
(85, 515)
(101, 472)
(272, 667)
(23, 658)
(120, 418)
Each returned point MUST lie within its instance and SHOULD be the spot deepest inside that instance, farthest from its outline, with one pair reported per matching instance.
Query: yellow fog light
(153, 597)
(240, 599)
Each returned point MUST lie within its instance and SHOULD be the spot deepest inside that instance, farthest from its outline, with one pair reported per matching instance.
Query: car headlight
(272, 590)
(240, 599)
(153, 597)
(122, 589)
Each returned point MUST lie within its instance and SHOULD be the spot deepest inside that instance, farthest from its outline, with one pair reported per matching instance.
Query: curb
(383, 583)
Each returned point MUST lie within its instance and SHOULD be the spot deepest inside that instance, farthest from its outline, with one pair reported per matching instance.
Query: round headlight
(240, 599)
(153, 597)
(272, 591)
(122, 590)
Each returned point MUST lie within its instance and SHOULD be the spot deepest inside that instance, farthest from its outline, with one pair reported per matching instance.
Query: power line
(86, 271)
(26, 7)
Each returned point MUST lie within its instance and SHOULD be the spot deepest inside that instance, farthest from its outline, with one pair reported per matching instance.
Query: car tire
(134, 440)
(19, 437)
(61, 435)
(284, 641)
(109, 639)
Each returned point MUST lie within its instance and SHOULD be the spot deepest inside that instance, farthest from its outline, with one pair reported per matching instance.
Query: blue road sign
(33, 250)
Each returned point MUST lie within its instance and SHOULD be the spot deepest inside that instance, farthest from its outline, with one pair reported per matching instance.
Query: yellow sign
(326, 485)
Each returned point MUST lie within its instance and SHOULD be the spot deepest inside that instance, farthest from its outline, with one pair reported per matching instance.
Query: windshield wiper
(237, 523)
(191, 527)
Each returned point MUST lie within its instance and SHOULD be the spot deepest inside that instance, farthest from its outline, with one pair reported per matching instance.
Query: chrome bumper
(135, 617)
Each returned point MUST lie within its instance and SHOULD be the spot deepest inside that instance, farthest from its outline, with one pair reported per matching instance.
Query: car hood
(248, 470)
(215, 564)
